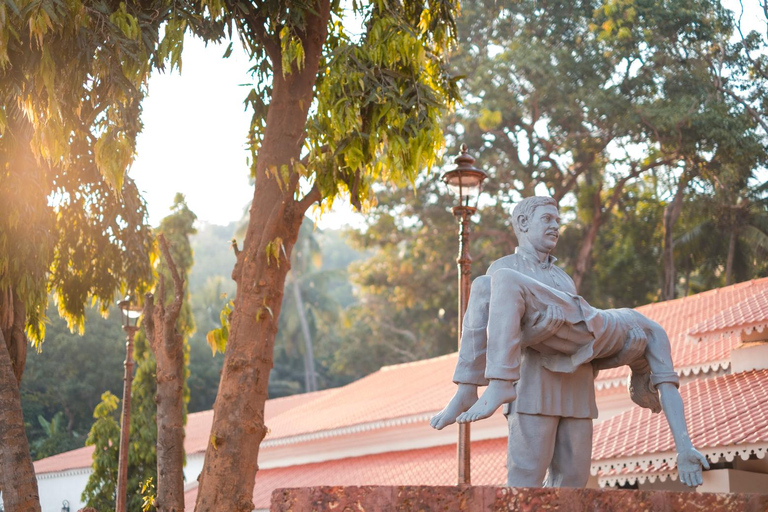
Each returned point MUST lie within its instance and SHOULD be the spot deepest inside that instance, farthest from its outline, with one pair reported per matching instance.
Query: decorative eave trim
(704, 334)
(646, 463)
(642, 478)
(66, 472)
(685, 371)
(351, 429)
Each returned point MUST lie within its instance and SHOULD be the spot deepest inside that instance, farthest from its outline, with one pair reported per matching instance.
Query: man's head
(536, 221)
(642, 392)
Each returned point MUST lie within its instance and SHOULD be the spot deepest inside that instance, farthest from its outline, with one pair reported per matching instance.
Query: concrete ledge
(487, 499)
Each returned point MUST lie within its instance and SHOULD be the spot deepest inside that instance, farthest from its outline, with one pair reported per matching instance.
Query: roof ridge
(420, 362)
(706, 293)
(303, 395)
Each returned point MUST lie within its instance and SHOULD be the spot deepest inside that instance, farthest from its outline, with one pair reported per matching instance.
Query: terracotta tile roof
(749, 314)
(679, 315)
(394, 392)
(727, 411)
(428, 466)
(198, 427)
(73, 459)
(196, 439)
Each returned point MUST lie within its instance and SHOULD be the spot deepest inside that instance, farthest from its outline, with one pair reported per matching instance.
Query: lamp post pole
(464, 264)
(466, 181)
(125, 426)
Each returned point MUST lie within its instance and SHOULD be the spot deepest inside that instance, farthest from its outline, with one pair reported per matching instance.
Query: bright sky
(193, 140)
(195, 127)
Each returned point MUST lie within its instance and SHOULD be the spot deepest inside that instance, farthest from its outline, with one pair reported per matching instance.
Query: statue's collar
(533, 257)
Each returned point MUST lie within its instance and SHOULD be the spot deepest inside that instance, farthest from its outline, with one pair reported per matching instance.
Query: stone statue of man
(516, 320)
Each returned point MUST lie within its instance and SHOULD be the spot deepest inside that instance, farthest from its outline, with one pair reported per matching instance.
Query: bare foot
(465, 396)
(498, 393)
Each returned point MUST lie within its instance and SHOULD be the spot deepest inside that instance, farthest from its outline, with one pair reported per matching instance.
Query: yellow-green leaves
(274, 249)
(264, 309)
(217, 338)
(126, 22)
(113, 152)
(39, 24)
(489, 119)
(173, 43)
(292, 50)
(379, 107)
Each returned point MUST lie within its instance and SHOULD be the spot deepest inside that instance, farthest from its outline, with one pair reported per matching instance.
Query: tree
(375, 103)
(737, 211)
(168, 346)
(150, 401)
(71, 82)
(584, 98)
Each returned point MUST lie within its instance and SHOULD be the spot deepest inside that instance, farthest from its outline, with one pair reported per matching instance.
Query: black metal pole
(464, 264)
(125, 427)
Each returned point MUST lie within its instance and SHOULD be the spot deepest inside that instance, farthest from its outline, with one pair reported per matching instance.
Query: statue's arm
(689, 460)
(545, 326)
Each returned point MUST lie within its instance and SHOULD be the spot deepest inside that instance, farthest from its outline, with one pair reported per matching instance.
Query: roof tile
(723, 411)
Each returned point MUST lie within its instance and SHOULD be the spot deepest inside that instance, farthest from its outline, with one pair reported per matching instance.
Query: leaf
(228, 51)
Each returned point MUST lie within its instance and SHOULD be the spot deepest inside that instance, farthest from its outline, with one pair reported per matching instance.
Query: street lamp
(466, 181)
(130, 313)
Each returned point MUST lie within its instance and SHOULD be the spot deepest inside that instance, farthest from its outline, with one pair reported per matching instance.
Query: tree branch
(148, 321)
(752, 112)
(312, 196)
(178, 285)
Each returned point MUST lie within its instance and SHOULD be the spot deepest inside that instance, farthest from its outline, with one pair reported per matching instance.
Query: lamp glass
(465, 184)
(131, 312)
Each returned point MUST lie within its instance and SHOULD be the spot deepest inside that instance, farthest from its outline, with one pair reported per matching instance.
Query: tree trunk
(227, 478)
(168, 346)
(731, 255)
(671, 214)
(310, 376)
(584, 257)
(17, 475)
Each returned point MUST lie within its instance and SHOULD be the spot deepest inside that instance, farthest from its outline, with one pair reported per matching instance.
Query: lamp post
(465, 181)
(130, 313)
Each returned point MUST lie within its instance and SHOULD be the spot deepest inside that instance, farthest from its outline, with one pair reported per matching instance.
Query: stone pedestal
(486, 499)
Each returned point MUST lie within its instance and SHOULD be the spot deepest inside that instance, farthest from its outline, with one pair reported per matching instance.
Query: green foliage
(56, 439)
(100, 490)
(64, 379)
(378, 96)
(406, 291)
(602, 105)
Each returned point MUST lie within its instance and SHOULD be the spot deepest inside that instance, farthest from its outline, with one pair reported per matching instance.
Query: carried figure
(512, 314)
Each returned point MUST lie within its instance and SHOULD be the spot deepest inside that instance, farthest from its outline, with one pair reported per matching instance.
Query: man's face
(544, 228)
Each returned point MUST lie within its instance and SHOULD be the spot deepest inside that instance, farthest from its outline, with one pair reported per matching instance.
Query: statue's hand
(689, 464)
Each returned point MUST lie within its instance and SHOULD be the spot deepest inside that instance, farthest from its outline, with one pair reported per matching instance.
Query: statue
(518, 325)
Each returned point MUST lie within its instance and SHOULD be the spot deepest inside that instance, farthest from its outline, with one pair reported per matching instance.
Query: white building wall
(54, 488)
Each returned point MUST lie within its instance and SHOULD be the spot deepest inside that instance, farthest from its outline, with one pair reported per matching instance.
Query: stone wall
(487, 499)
